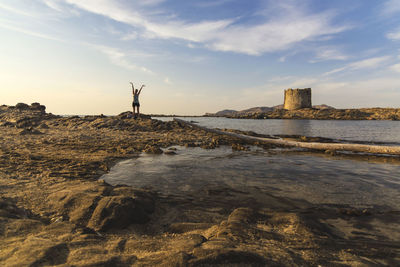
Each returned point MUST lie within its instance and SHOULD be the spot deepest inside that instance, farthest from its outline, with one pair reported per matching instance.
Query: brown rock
(152, 149)
(22, 106)
(116, 212)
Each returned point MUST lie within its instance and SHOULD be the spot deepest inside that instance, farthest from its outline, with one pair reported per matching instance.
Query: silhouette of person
(136, 102)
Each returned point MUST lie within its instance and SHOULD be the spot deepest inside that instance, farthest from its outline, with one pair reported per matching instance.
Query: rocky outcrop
(327, 114)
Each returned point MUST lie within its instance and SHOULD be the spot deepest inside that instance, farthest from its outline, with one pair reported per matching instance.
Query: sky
(78, 56)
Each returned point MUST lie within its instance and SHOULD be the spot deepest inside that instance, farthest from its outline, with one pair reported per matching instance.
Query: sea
(359, 181)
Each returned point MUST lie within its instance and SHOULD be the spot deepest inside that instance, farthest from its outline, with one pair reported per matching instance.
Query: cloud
(276, 33)
(130, 36)
(150, 2)
(394, 35)
(16, 10)
(395, 67)
(31, 33)
(119, 58)
(328, 53)
(391, 7)
(368, 63)
(54, 4)
(213, 3)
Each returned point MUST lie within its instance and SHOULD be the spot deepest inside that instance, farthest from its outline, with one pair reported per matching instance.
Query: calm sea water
(368, 131)
(314, 178)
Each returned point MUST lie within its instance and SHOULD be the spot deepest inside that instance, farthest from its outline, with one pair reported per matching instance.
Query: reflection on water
(294, 127)
(313, 178)
(369, 131)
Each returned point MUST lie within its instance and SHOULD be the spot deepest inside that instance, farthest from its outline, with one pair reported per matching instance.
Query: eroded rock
(117, 212)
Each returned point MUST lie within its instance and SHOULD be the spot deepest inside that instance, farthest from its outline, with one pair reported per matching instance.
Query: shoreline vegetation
(54, 210)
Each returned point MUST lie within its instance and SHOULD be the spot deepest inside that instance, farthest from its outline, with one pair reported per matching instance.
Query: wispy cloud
(329, 53)
(150, 2)
(213, 3)
(394, 35)
(273, 34)
(391, 7)
(119, 58)
(16, 10)
(368, 63)
(30, 32)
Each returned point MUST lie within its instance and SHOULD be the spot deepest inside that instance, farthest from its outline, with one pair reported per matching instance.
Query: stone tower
(297, 98)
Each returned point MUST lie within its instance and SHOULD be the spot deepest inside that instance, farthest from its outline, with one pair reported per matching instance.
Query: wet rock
(169, 152)
(330, 152)
(117, 212)
(190, 145)
(208, 146)
(239, 147)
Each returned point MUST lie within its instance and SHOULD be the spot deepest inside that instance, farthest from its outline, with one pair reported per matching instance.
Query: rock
(37, 251)
(190, 145)
(228, 257)
(169, 152)
(330, 152)
(43, 126)
(37, 106)
(152, 149)
(29, 131)
(22, 106)
(208, 146)
(239, 147)
(7, 124)
(117, 212)
(77, 203)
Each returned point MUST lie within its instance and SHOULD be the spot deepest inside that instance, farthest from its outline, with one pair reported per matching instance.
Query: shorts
(135, 104)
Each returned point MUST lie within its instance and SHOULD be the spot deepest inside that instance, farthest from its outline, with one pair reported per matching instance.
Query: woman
(135, 102)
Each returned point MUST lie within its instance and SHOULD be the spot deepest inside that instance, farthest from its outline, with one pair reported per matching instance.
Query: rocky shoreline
(55, 211)
(322, 114)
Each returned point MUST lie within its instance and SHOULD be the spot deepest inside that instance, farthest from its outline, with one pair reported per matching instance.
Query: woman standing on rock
(135, 102)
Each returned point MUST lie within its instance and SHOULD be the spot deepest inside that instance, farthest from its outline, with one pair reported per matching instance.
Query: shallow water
(362, 130)
(315, 178)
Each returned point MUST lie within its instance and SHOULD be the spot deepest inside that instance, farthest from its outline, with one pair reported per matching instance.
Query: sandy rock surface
(54, 211)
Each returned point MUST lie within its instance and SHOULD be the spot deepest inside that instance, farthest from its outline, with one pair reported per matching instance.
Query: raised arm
(133, 88)
(141, 88)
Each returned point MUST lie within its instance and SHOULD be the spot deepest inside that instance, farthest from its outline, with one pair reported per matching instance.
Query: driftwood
(374, 149)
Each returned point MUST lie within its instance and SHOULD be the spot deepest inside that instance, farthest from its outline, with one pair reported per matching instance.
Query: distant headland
(298, 105)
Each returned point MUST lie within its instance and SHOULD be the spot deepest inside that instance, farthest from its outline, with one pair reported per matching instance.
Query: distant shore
(319, 114)
(54, 210)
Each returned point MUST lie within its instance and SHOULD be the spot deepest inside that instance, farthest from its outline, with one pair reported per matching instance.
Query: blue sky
(77, 57)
